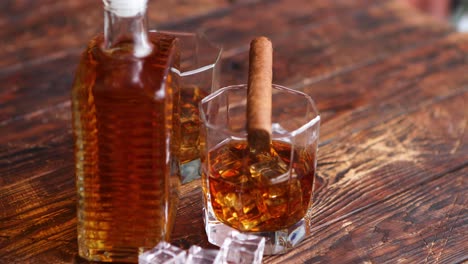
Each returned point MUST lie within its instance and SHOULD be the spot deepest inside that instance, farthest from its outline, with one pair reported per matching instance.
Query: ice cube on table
(241, 248)
(198, 255)
(163, 253)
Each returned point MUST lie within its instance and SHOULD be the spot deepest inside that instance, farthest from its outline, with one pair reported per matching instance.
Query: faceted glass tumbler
(267, 195)
(198, 75)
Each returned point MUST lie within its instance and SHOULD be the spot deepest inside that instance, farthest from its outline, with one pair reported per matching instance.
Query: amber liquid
(122, 118)
(252, 192)
(190, 96)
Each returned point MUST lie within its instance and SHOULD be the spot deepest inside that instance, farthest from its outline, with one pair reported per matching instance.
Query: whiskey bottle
(124, 98)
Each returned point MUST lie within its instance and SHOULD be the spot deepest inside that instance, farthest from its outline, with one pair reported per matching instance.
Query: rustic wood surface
(391, 85)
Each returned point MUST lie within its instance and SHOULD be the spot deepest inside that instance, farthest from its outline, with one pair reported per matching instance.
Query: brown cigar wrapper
(259, 95)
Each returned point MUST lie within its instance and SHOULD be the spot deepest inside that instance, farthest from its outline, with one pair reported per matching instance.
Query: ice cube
(163, 253)
(241, 248)
(228, 163)
(190, 171)
(198, 255)
(269, 170)
(251, 222)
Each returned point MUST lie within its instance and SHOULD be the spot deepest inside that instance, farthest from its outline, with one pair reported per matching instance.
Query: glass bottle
(124, 98)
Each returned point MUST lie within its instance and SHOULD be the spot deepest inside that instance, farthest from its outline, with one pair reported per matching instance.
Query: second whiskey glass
(198, 75)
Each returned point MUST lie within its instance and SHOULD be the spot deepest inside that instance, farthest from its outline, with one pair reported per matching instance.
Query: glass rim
(289, 134)
(195, 34)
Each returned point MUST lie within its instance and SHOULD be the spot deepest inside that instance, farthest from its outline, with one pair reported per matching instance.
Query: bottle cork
(259, 94)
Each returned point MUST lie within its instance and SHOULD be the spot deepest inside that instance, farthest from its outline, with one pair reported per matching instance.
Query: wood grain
(33, 31)
(290, 67)
(391, 85)
(432, 229)
(324, 48)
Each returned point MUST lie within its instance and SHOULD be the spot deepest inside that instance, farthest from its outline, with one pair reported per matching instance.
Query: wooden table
(391, 85)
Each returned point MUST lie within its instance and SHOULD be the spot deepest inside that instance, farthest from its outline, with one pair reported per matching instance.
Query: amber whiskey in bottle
(124, 99)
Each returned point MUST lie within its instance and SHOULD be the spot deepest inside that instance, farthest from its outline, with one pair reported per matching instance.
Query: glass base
(276, 242)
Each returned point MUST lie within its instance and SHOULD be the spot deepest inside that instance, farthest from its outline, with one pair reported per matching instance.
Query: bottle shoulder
(163, 45)
(119, 68)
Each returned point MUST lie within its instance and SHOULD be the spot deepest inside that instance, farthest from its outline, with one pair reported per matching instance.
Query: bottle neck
(125, 27)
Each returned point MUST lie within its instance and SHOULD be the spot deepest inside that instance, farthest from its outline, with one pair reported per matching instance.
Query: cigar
(259, 95)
